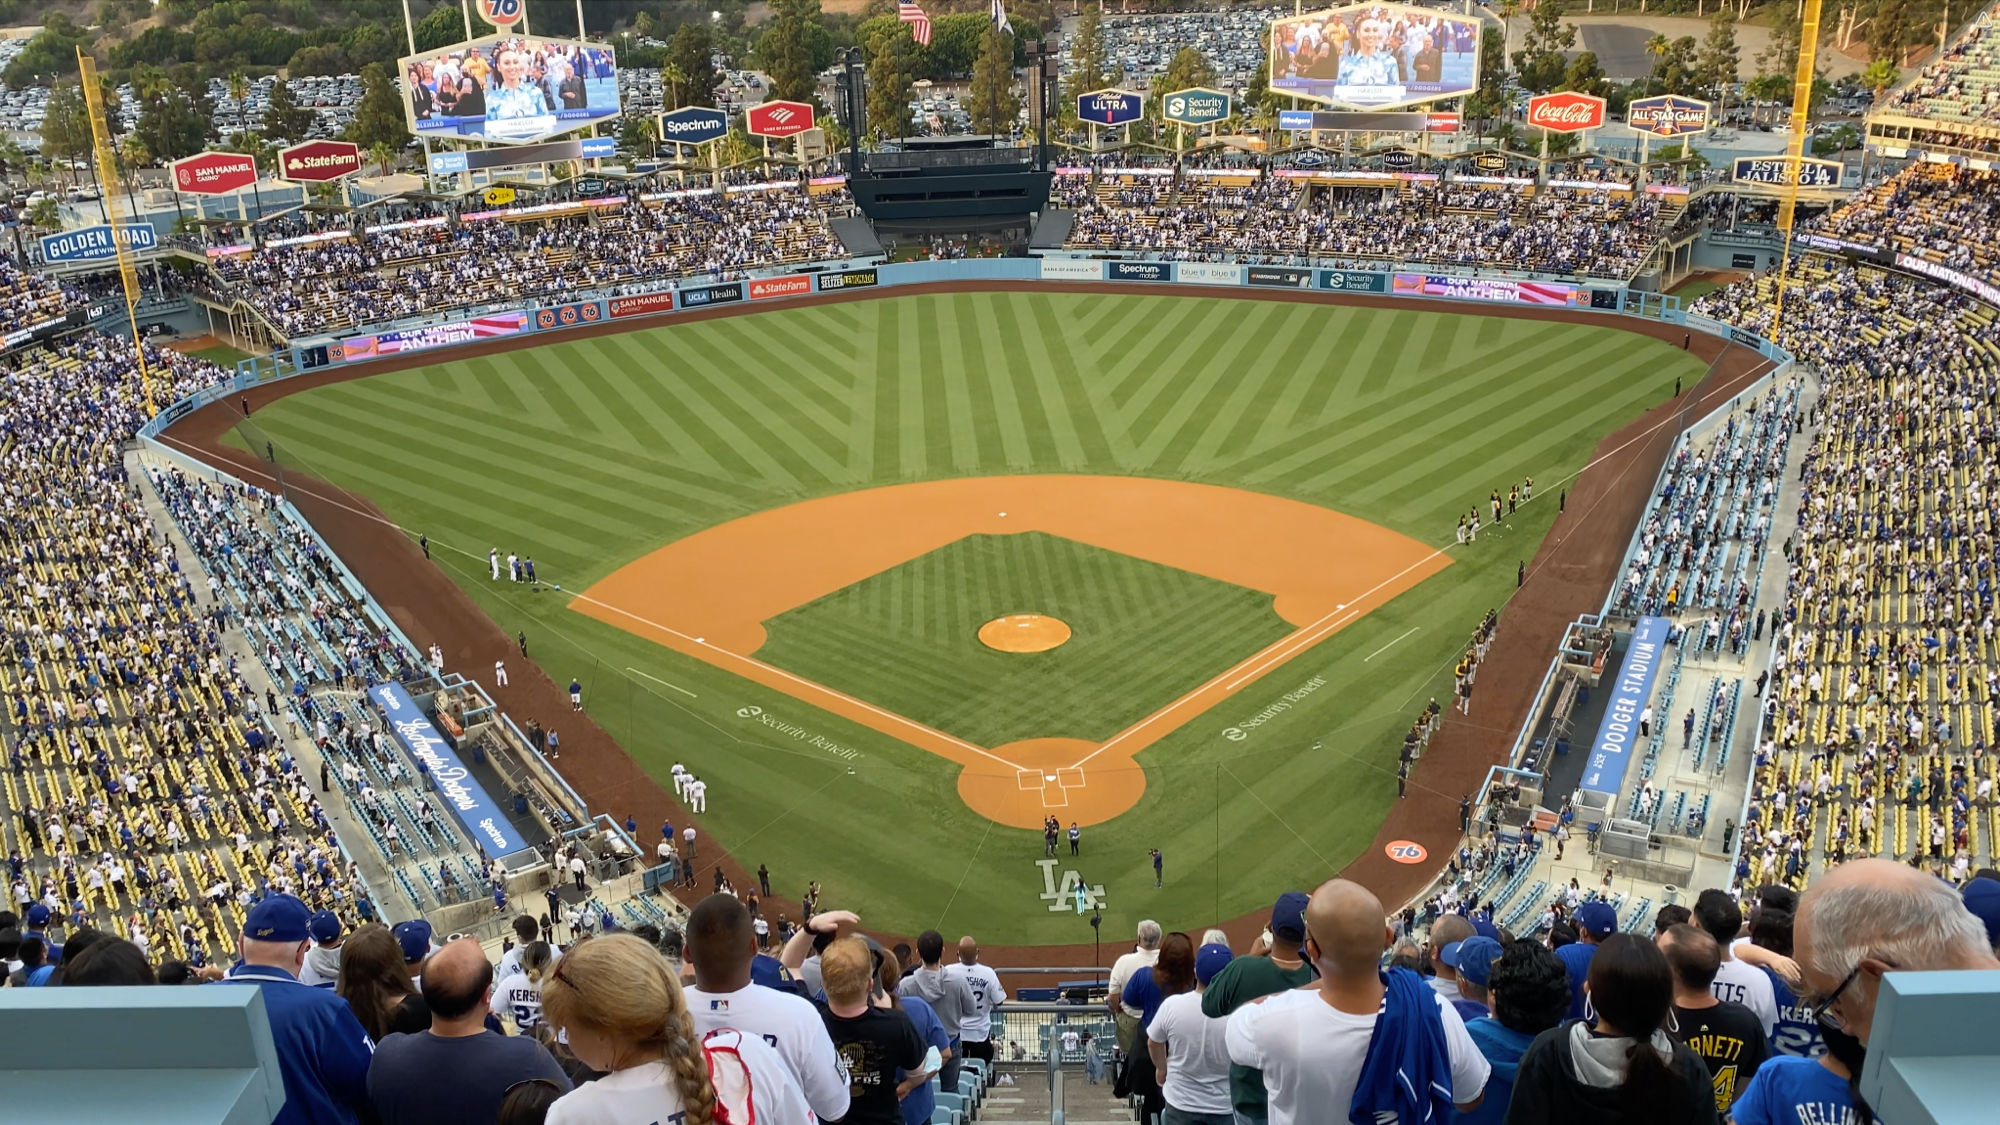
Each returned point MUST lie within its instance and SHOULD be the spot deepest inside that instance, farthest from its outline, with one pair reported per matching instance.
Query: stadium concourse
(189, 757)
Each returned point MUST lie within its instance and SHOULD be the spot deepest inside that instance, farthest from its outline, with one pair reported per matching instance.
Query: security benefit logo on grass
(1242, 730)
(1068, 891)
(762, 717)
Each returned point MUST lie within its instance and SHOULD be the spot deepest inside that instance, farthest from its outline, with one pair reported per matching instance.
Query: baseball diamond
(1354, 436)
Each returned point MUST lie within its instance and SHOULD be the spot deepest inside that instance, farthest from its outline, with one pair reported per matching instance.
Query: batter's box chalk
(1070, 777)
(1054, 798)
(1028, 780)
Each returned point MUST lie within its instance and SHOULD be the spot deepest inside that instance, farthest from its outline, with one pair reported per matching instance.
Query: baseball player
(697, 794)
(500, 673)
(680, 782)
(493, 557)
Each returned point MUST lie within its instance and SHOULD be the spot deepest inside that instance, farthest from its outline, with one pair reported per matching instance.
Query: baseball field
(898, 577)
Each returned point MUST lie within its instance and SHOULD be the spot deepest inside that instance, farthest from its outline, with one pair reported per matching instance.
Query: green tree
(1879, 76)
(992, 102)
(157, 45)
(1543, 60)
(955, 44)
(693, 55)
(1088, 67)
(46, 213)
(889, 86)
(441, 27)
(383, 154)
(239, 92)
(327, 58)
(1675, 72)
(786, 55)
(284, 116)
(173, 121)
(739, 147)
(1716, 65)
(66, 129)
(379, 119)
(1585, 75)
(1836, 140)
(639, 133)
(1490, 99)
(50, 55)
(1781, 54)
(1695, 160)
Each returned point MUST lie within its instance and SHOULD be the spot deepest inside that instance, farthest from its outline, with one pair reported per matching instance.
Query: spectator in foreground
(976, 1033)
(1728, 1036)
(1595, 922)
(1472, 959)
(1189, 1050)
(457, 1070)
(1277, 969)
(1142, 955)
(1717, 913)
(1445, 934)
(1623, 1069)
(113, 961)
(624, 1013)
(876, 1041)
(1871, 917)
(1171, 975)
(913, 1087)
(944, 988)
(722, 947)
(1528, 990)
(376, 986)
(1314, 1044)
(322, 1050)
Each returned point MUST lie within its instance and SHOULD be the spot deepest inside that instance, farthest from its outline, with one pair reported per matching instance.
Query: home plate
(1048, 777)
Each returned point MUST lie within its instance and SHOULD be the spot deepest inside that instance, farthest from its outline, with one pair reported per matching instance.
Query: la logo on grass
(1071, 892)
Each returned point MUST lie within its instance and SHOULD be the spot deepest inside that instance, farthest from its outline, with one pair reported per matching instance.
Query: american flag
(920, 24)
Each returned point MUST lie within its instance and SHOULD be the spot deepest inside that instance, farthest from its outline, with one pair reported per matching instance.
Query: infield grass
(590, 453)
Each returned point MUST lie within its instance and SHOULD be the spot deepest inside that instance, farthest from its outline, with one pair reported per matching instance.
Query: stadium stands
(1283, 215)
(1962, 85)
(1943, 213)
(1879, 717)
(28, 299)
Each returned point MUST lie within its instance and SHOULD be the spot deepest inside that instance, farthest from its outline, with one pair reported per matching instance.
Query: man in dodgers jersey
(976, 1026)
(721, 944)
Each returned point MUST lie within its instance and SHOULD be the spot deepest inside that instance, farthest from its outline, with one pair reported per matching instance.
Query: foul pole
(1802, 87)
(107, 172)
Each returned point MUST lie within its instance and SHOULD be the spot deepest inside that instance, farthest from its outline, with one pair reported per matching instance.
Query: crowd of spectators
(28, 299)
(1943, 213)
(1961, 85)
(386, 274)
(1878, 717)
(1565, 231)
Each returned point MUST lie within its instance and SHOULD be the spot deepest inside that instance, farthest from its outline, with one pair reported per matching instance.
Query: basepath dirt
(708, 595)
(1569, 575)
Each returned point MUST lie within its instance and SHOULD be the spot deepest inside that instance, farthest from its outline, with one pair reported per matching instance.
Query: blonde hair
(620, 987)
(847, 970)
(536, 957)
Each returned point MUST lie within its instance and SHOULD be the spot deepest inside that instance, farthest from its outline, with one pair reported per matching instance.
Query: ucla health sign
(466, 798)
(1618, 735)
(90, 244)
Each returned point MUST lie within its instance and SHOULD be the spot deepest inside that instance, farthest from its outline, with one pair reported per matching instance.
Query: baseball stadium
(1160, 465)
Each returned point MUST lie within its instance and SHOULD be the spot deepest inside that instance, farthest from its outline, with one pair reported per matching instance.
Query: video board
(1375, 56)
(512, 89)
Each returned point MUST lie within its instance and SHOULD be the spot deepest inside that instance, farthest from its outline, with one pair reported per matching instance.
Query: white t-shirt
(644, 1093)
(1311, 1054)
(1123, 968)
(1197, 1055)
(977, 1024)
(1747, 985)
(510, 963)
(519, 999)
(792, 1027)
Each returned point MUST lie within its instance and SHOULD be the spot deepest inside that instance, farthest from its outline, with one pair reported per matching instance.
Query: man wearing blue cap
(38, 926)
(322, 967)
(323, 1053)
(1244, 979)
(1471, 959)
(1595, 921)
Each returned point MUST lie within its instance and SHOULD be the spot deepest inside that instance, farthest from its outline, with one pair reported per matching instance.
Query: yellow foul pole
(1802, 86)
(107, 174)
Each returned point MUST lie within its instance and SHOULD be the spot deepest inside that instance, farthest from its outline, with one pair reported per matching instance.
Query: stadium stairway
(1028, 1099)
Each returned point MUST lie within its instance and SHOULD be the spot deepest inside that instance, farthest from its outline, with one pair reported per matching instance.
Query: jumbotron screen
(513, 89)
(1373, 56)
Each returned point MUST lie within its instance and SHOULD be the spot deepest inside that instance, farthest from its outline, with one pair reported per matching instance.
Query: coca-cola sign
(1566, 112)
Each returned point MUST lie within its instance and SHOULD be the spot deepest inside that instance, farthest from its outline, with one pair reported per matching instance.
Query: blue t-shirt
(1503, 1047)
(1576, 957)
(1143, 994)
(1787, 1091)
(918, 1106)
(1796, 1032)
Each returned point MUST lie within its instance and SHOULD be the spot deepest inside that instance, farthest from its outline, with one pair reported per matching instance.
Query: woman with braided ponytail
(622, 1008)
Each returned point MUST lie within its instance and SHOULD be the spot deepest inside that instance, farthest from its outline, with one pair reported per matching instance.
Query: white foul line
(662, 682)
(1372, 655)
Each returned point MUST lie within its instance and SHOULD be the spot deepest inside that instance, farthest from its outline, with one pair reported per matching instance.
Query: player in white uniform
(698, 794)
(721, 944)
(681, 776)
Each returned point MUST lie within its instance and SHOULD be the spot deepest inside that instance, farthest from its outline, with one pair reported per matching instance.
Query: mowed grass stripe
(1168, 382)
(1200, 428)
(794, 367)
(759, 386)
(1409, 331)
(1099, 435)
(688, 434)
(1338, 340)
(1163, 348)
(587, 378)
(1292, 358)
(500, 380)
(913, 452)
(960, 405)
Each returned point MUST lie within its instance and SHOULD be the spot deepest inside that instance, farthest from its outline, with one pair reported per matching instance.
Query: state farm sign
(318, 161)
(780, 286)
(214, 173)
(779, 120)
(1567, 112)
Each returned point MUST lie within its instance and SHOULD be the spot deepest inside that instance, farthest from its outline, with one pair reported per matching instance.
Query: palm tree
(239, 92)
(383, 155)
(648, 130)
(673, 79)
(1658, 46)
(1880, 75)
(1508, 10)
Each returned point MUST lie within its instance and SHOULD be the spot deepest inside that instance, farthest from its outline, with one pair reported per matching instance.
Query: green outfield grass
(908, 638)
(590, 453)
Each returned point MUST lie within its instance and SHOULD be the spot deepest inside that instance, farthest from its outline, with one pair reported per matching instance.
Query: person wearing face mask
(323, 1053)
(1857, 923)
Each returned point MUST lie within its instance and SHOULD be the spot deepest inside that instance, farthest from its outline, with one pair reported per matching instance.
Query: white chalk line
(1390, 645)
(662, 682)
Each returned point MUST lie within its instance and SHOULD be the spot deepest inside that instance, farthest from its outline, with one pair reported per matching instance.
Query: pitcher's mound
(1023, 632)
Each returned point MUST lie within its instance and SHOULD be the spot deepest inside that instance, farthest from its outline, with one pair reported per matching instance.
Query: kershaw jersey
(793, 1027)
